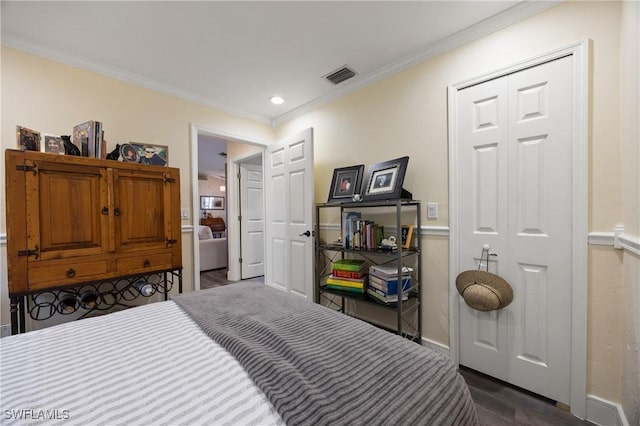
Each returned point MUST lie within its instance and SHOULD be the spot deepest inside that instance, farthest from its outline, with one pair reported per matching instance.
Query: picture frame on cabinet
(129, 153)
(157, 155)
(27, 139)
(385, 179)
(406, 234)
(346, 182)
(52, 144)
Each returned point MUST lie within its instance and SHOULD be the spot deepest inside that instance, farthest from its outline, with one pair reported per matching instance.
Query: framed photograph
(144, 153)
(208, 202)
(384, 180)
(52, 144)
(27, 139)
(129, 153)
(218, 203)
(346, 183)
(406, 234)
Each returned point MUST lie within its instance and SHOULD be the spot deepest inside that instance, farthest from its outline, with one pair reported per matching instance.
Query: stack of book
(88, 137)
(348, 275)
(383, 283)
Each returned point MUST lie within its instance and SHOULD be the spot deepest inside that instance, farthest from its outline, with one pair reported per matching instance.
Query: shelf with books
(367, 240)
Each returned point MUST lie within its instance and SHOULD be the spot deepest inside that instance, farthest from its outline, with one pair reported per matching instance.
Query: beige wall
(630, 154)
(51, 97)
(407, 115)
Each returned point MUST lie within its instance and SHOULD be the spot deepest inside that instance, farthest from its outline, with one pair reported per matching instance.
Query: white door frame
(580, 52)
(233, 226)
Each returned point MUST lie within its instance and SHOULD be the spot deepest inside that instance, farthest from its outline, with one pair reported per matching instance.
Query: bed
(239, 354)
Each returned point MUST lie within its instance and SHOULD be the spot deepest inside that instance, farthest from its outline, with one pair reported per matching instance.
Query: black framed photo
(384, 180)
(346, 183)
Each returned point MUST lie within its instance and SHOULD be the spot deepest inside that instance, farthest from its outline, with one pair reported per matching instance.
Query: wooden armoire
(73, 220)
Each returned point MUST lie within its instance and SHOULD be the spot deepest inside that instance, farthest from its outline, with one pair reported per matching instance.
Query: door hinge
(170, 241)
(240, 260)
(25, 168)
(240, 218)
(169, 179)
(238, 174)
(30, 252)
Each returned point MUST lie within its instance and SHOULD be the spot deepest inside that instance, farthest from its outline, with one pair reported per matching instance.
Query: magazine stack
(348, 275)
(383, 283)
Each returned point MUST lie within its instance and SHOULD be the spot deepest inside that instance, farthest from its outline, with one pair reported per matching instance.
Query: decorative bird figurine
(69, 147)
(115, 154)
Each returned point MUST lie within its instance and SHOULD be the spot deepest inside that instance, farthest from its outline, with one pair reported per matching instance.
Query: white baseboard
(605, 413)
(436, 346)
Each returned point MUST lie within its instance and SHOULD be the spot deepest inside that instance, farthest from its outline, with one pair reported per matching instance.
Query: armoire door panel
(66, 217)
(140, 210)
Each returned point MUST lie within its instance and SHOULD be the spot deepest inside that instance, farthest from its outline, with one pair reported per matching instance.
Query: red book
(348, 274)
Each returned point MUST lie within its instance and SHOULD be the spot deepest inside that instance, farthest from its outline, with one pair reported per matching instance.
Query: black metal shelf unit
(408, 321)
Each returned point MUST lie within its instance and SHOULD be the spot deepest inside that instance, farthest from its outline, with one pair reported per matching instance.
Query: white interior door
(515, 166)
(252, 221)
(288, 168)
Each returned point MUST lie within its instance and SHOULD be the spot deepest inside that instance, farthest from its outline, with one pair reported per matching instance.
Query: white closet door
(515, 163)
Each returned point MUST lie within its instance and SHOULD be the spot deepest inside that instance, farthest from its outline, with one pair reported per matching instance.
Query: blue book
(390, 287)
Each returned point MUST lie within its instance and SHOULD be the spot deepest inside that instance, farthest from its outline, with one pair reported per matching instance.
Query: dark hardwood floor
(217, 278)
(497, 403)
(501, 404)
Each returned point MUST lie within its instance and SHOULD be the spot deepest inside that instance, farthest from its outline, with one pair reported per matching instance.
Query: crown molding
(58, 55)
(508, 17)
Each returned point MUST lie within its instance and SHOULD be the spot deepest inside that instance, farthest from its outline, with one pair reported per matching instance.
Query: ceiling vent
(340, 75)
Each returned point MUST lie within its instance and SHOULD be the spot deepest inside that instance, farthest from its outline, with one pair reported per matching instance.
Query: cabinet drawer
(144, 262)
(65, 273)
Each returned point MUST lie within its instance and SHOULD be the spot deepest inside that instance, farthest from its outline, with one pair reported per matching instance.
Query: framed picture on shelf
(28, 140)
(384, 180)
(346, 183)
(406, 234)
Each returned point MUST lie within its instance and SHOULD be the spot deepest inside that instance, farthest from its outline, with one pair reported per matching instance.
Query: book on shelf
(353, 265)
(391, 272)
(347, 283)
(389, 287)
(343, 288)
(380, 296)
(339, 273)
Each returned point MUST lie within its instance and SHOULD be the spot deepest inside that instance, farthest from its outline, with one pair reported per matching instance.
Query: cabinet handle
(146, 263)
(71, 273)
(116, 211)
(105, 211)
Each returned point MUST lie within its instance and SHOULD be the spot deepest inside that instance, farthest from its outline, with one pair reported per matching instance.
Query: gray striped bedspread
(145, 366)
(319, 367)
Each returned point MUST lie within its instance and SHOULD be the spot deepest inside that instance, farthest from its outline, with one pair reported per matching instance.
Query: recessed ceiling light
(276, 100)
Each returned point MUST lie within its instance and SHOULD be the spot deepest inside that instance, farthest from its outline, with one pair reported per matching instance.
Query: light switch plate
(432, 210)
(185, 213)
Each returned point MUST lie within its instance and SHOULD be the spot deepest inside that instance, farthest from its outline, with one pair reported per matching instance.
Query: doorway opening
(217, 156)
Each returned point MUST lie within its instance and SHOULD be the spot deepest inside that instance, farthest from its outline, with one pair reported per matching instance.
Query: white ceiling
(233, 56)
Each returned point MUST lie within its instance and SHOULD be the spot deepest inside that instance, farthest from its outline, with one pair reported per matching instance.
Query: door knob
(307, 233)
